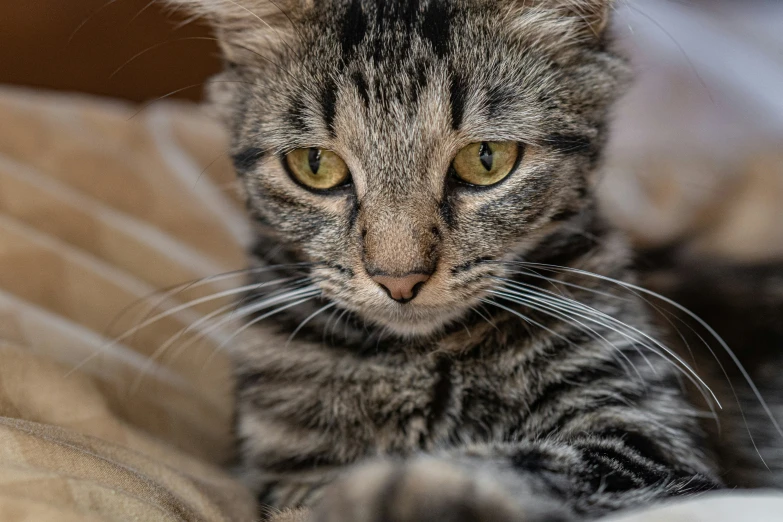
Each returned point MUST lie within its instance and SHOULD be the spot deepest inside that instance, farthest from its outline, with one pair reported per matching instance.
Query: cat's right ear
(248, 30)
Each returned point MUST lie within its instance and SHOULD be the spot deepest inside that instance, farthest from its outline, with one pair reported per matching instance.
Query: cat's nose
(402, 289)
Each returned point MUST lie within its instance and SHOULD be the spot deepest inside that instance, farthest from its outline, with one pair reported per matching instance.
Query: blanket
(105, 210)
(98, 210)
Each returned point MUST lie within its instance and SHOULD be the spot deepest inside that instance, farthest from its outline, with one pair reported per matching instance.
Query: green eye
(486, 163)
(317, 168)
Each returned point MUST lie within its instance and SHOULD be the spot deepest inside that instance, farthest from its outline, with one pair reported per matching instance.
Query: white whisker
(685, 370)
(558, 313)
(257, 320)
(661, 346)
(572, 304)
(196, 302)
(264, 303)
(307, 320)
(735, 360)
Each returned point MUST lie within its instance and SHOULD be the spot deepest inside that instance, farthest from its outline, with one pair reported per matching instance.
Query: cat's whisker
(238, 310)
(622, 328)
(662, 313)
(571, 304)
(328, 323)
(220, 348)
(198, 301)
(249, 309)
(157, 46)
(556, 282)
(173, 290)
(307, 320)
(553, 311)
(685, 370)
(485, 317)
(140, 12)
(551, 308)
(735, 360)
(169, 293)
(305, 297)
(534, 274)
(152, 359)
(526, 319)
(336, 323)
(87, 19)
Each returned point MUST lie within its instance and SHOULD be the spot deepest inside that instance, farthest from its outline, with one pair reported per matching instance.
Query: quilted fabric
(98, 209)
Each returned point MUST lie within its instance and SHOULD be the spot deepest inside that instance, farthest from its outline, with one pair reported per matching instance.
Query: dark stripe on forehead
(498, 99)
(296, 115)
(418, 82)
(353, 28)
(329, 104)
(457, 97)
(245, 160)
(436, 26)
(388, 13)
(361, 87)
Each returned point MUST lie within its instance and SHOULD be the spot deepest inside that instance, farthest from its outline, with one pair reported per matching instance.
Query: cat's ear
(248, 30)
(562, 22)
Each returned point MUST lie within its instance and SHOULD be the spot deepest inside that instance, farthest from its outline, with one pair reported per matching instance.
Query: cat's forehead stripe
(361, 87)
(457, 96)
(329, 102)
(353, 28)
(430, 20)
(296, 115)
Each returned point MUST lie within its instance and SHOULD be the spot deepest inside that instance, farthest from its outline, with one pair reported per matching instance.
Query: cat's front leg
(536, 481)
(430, 489)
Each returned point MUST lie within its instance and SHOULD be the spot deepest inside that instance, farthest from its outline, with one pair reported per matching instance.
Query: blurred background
(698, 141)
(76, 45)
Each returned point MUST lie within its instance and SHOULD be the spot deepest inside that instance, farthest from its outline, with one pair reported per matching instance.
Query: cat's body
(441, 352)
(574, 422)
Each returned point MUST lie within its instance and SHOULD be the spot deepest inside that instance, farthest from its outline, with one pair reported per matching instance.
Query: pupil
(486, 156)
(314, 159)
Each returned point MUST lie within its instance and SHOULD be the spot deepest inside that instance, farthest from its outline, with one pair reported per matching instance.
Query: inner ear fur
(247, 29)
(561, 23)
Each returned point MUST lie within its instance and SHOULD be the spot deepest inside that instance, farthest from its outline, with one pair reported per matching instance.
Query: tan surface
(96, 212)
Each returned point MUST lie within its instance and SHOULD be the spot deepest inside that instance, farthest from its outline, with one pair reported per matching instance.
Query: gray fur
(463, 404)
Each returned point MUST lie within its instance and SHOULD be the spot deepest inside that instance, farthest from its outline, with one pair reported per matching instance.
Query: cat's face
(347, 124)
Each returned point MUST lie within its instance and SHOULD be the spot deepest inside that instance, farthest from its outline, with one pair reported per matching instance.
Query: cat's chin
(418, 325)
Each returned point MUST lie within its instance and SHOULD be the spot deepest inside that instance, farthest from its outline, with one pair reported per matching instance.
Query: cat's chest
(401, 406)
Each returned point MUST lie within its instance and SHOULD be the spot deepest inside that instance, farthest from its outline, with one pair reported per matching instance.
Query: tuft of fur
(525, 381)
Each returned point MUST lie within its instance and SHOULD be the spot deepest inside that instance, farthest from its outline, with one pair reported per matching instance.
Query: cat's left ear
(247, 29)
(562, 23)
(592, 14)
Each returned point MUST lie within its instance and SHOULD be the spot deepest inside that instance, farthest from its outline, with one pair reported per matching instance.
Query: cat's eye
(487, 162)
(318, 169)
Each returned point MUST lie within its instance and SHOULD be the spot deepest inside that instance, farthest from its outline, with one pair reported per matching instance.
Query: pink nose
(402, 289)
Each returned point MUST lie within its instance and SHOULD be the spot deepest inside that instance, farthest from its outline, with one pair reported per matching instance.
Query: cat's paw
(290, 515)
(417, 491)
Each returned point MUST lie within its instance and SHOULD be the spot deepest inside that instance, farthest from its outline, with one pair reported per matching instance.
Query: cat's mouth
(423, 309)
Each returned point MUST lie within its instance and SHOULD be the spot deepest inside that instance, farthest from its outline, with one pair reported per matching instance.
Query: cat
(444, 326)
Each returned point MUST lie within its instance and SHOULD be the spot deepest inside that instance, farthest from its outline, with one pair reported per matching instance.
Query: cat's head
(406, 146)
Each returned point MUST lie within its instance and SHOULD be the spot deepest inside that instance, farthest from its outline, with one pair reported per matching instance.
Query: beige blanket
(98, 209)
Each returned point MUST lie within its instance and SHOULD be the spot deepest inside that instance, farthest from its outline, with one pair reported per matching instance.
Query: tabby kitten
(421, 174)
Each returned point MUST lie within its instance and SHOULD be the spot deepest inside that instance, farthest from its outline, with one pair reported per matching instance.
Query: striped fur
(488, 397)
